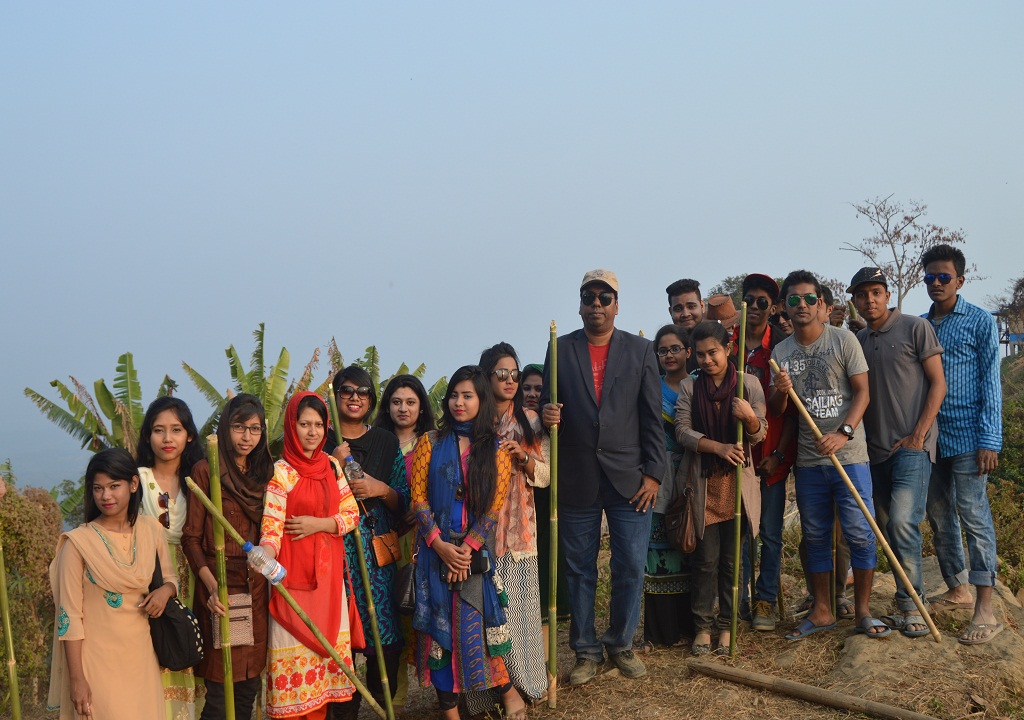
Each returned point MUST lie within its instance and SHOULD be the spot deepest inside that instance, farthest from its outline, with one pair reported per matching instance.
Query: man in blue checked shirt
(970, 438)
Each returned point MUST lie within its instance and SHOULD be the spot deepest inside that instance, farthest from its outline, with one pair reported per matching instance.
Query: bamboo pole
(893, 562)
(371, 608)
(5, 610)
(553, 552)
(738, 516)
(213, 459)
(198, 494)
(809, 693)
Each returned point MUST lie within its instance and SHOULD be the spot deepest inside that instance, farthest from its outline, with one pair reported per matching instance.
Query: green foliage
(1006, 499)
(70, 498)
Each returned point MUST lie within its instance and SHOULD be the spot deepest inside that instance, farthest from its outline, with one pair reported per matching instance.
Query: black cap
(867, 275)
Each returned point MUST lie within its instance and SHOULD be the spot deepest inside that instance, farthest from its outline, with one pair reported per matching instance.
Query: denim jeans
(819, 487)
(900, 486)
(580, 537)
(713, 562)
(773, 507)
(958, 496)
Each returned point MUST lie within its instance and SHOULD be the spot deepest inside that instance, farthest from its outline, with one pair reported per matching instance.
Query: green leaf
(109, 404)
(256, 363)
(67, 422)
(242, 380)
(167, 387)
(274, 395)
(205, 387)
(420, 371)
(127, 389)
(371, 364)
(73, 501)
(436, 395)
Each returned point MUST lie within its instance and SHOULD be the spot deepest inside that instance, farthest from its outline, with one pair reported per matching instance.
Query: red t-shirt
(598, 363)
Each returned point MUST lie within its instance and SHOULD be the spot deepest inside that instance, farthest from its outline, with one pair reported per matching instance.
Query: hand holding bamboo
(553, 549)
(738, 515)
(213, 460)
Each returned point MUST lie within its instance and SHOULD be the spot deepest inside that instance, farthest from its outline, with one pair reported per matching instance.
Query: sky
(433, 178)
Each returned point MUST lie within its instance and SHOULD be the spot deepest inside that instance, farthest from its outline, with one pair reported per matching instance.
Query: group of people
(910, 406)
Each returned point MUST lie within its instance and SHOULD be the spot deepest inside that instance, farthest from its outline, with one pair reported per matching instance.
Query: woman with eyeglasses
(245, 469)
(168, 447)
(460, 478)
(667, 615)
(515, 539)
(308, 508)
(707, 413)
(383, 497)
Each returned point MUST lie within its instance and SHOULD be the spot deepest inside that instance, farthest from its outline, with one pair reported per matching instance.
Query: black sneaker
(584, 671)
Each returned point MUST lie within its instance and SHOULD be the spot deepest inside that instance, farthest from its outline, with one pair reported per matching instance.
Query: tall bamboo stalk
(198, 494)
(738, 516)
(213, 459)
(893, 562)
(553, 552)
(371, 608)
(5, 610)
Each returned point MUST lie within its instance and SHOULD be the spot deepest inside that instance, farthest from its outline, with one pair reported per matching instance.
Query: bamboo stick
(213, 459)
(893, 562)
(5, 610)
(738, 516)
(198, 494)
(808, 693)
(553, 552)
(371, 608)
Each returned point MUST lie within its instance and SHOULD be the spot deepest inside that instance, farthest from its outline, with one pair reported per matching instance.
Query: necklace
(129, 542)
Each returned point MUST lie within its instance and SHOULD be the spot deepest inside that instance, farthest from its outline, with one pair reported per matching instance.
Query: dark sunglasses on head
(347, 391)
(944, 278)
(504, 374)
(761, 302)
(810, 298)
(587, 297)
(670, 350)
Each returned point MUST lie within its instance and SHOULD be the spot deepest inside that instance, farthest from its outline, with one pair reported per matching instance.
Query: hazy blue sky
(435, 177)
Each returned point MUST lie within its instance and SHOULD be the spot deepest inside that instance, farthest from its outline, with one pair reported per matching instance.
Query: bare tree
(901, 238)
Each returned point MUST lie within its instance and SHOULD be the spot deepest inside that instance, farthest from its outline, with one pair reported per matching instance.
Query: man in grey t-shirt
(826, 367)
(907, 387)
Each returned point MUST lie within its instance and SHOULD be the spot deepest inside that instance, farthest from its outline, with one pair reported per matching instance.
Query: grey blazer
(622, 439)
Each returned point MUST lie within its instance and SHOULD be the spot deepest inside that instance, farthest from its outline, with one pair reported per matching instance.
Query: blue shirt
(971, 416)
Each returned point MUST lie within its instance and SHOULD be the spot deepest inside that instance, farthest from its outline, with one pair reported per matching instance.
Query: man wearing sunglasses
(774, 456)
(970, 438)
(826, 367)
(907, 387)
(611, 461)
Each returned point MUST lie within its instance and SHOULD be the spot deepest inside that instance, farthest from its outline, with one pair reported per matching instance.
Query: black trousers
(245, 696)
(350, 710)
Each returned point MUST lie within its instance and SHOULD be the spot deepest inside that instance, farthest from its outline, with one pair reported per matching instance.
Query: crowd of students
(468, 503)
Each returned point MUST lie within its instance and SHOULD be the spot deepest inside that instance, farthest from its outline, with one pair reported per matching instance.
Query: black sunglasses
(944, 278)
(761, 301)
(504, 374)
(810, 298)
(587, 297)
(347, 391)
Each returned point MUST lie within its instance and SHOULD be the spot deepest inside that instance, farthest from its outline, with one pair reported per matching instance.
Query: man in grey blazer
(611, 461)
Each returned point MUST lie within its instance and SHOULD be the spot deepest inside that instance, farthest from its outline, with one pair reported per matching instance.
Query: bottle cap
(247, 547)
(349, 458)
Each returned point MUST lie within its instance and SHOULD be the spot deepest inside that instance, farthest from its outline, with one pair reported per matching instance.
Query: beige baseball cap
(601, 276)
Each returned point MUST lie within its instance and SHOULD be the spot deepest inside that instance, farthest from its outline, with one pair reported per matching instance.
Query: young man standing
(687, 310)
(907, 387)
(826, 366)
(970, 438)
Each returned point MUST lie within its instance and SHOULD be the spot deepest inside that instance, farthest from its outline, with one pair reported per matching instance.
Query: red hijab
(316, 563)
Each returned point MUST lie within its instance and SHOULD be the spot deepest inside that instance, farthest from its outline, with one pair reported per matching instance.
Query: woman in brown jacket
(245, 469)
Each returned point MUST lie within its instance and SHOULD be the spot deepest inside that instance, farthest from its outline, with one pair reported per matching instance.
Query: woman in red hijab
(308, 508)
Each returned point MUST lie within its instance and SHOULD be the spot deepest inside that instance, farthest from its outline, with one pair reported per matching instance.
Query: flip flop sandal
(804, 608)
(721, 650)
(805, 628)
(845, 609)
(914, 619)
(972, 626)
(944, 604)
(865, 625)
(897, 621)
(702, 649)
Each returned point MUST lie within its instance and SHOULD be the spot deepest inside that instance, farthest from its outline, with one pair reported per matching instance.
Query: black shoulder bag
(176, 636)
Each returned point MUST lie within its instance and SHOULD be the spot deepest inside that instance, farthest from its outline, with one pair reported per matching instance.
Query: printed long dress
(474, 660)
(181, 691)
(97, 588)
(667, 616)
(299, 680)
(515, 550)
(406, 541)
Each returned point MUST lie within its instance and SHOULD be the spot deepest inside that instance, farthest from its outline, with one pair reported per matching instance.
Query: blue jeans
(958, 496)
(580, 537)
(818, 488)
(900, 485)
(773, 507)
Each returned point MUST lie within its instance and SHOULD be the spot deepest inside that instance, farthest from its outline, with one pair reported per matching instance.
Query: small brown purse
(239, 620)
(385, 546)
(680, 527)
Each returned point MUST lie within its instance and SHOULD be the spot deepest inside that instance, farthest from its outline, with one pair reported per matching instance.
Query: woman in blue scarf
(459, 482)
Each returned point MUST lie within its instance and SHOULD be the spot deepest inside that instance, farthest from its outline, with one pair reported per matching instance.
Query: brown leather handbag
(680, 527)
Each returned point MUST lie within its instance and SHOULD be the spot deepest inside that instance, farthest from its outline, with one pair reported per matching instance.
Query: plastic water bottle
(271, 568)
(353, 470)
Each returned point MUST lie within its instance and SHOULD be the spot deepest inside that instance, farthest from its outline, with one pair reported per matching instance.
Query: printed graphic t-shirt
(821, 375)
(598, 364)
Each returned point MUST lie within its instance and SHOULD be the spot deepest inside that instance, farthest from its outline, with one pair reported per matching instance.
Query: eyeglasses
(240, 429)
(162, 500)
(347, 391)
(504, 374)
(761, 302)
(587, 297)
(810, 298)
(944, 278)
(670, 350)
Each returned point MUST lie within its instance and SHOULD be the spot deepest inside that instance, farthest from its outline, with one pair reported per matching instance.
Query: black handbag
(176, 636)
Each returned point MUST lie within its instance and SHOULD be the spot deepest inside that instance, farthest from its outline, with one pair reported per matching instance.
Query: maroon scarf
(715, 421)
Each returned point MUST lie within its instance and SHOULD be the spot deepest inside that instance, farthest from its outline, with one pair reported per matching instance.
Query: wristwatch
(778, 455)
(847, 430)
